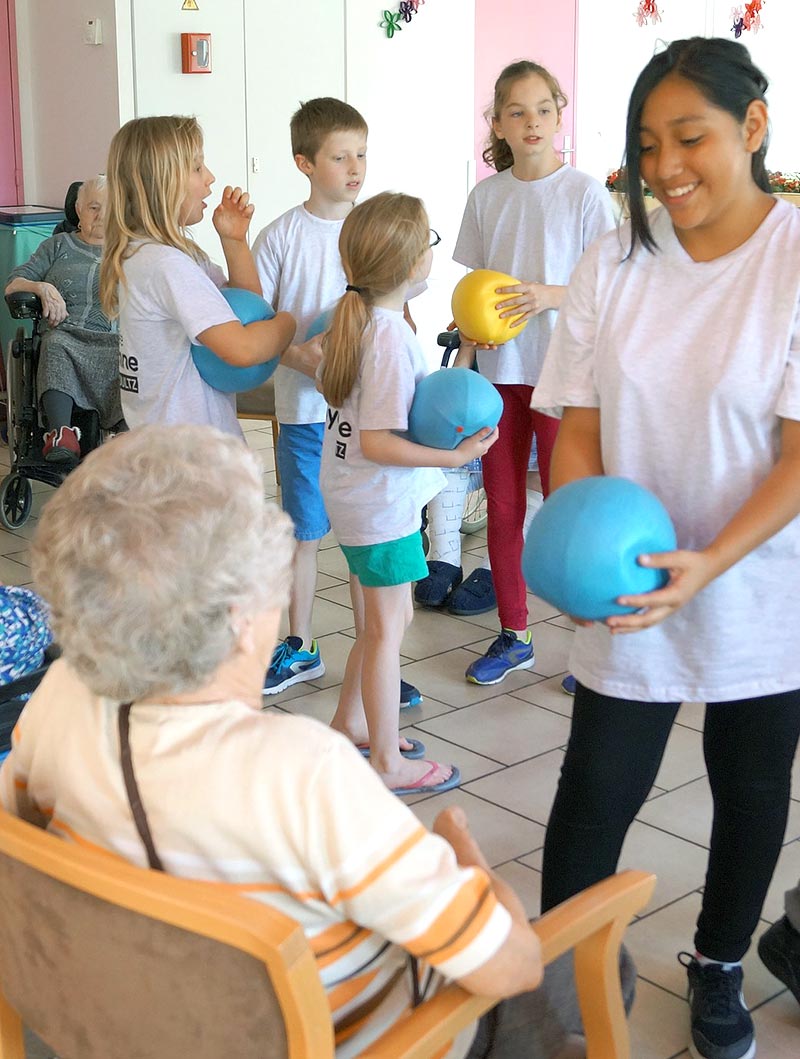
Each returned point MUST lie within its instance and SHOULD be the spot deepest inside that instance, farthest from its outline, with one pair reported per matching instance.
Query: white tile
(659, 1023)
(683, 758)
(501, 835)
(687, 812)
(505, 728)
(777, 1026)
(655, 941)
(443, 677)
(527, 789)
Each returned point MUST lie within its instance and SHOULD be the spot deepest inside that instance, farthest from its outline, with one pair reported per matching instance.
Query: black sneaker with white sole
(721, 1024)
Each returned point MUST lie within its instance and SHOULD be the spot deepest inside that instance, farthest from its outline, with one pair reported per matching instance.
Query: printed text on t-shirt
(343, 429)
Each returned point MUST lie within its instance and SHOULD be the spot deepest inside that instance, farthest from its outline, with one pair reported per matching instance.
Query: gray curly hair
(148, 548)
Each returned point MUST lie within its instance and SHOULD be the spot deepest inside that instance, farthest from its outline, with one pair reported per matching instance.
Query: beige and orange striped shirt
(281, 808)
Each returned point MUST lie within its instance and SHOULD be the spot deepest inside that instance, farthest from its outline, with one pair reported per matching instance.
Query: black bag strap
(132, 788)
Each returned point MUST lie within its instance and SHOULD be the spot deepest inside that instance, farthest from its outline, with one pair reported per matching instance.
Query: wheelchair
(25, 429)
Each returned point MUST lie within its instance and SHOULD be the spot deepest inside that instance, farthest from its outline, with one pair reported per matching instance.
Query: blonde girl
(164, 288)
(532, 220)
(374, 480)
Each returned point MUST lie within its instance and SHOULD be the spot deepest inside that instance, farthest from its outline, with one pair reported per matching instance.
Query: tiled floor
(508, 742)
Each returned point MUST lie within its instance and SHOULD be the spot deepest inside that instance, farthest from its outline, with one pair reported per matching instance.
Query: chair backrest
(100, 958)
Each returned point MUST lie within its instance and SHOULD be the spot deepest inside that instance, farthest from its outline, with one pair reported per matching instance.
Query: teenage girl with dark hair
(676, 359)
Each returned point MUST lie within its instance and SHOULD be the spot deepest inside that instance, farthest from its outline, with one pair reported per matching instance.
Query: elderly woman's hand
(54, 308)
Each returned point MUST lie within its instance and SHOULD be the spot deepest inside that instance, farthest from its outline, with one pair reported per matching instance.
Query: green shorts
(393, 563)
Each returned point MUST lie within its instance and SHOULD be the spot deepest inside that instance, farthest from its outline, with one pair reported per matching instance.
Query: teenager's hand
(54, 308)
(232, 217)
(527, 299)
(472, 447)
(468, 344)
(689, 572)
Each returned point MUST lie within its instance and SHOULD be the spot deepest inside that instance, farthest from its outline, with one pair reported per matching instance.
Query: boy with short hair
(297, 257)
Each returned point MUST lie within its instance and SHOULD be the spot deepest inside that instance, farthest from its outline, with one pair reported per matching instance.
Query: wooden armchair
(100, 959)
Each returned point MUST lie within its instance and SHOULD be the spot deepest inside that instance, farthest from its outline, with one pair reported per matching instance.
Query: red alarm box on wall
(196, 53)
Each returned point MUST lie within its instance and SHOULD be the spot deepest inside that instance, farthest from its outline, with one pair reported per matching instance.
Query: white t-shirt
(169, 300)
(692, 364)
(298, 262)
(369, 503)
(534, 230)
(279, 807)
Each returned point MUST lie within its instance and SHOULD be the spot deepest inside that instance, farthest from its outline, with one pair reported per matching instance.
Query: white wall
(613, 49)
(69, 100)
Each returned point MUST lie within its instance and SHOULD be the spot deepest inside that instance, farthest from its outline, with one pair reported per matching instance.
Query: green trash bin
(22, 229)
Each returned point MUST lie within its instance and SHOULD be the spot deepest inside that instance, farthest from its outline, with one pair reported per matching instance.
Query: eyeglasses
(435, 237)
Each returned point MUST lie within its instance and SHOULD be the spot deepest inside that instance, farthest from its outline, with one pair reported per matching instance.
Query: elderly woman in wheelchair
(78, 360)
(166, 574)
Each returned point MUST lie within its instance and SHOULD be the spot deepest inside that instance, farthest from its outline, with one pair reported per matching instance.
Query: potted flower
(785, 186)
(617, 184)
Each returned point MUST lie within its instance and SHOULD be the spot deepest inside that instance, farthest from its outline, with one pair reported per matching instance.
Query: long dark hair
(724, 73)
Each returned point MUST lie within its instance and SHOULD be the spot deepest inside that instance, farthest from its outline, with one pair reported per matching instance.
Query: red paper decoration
(647, 12)
(747, 17)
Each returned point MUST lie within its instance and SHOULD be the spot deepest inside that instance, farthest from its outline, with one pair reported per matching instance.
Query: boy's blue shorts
(299, 460)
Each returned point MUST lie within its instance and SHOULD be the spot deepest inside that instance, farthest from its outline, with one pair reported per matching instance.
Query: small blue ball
(583, 544)
(452, 404)
(229, 378)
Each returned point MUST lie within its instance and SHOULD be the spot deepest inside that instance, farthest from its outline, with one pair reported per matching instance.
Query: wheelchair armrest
(24, 305)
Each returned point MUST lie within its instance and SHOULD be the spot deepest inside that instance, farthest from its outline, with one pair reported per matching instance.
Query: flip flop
(414, 752)
(421, 787)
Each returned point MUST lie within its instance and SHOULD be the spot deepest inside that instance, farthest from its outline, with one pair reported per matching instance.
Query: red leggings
(505, 468)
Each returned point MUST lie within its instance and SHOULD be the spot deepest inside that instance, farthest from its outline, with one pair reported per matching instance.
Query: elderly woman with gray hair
(78, 364)
(166, 574)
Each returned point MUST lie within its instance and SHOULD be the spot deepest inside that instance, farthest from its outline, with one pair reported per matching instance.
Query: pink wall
(10, 147)
(507, 30)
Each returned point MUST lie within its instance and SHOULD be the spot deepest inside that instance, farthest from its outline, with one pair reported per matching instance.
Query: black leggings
(614, 753)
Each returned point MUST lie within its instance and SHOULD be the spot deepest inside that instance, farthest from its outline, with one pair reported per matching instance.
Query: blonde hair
(381, 241)
(149, 164)
(497, 153)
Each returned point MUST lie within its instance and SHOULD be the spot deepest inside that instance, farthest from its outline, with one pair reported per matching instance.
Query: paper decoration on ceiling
(647, 12)
(747, 18)
(189, 5)
(391, 19)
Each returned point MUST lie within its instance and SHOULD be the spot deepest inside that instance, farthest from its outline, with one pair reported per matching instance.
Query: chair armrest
(593, 923)
(24, 305)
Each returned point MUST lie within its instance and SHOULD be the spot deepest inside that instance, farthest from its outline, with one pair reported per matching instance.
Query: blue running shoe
(290, 664)
(505, 655)
(568, 685)
(409, 695)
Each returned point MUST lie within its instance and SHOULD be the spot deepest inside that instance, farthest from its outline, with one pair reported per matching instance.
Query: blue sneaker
(290, 664)
(568, 685)
(409, 695)
(505, 655)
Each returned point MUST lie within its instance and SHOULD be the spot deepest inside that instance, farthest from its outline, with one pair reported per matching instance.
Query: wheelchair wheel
(16, 499)
(474, 518)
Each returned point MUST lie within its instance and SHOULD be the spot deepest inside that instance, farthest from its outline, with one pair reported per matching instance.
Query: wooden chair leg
(12, 1042)
(275, 428)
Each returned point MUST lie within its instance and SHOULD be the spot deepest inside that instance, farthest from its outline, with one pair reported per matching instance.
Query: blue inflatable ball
(320, 324)
(582, 546)
(228, 377)
(452, 404)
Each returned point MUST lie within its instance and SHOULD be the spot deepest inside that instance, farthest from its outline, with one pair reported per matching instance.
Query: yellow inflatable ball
(474, 307)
